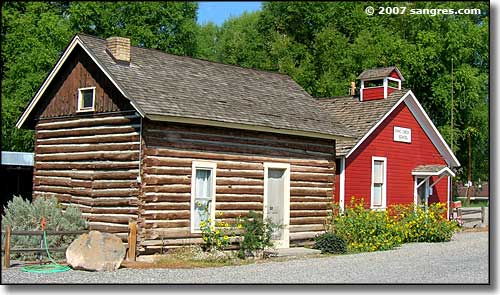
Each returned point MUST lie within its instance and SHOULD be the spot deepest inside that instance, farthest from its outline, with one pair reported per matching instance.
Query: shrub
(22, 215)
(420, 226)
(214, 238)
(330, 243)
(366, 230)
(256, 233)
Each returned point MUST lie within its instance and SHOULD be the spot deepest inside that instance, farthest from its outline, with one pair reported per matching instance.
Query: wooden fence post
(6, 258)
(132, 240)
(483, 214)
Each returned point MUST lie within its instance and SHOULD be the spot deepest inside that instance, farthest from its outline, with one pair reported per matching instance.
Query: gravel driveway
(463, 260)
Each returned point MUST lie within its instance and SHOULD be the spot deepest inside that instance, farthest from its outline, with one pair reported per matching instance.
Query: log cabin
(397, 155)
(129, 133)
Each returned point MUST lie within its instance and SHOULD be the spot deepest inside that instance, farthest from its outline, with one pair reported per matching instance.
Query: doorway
(277, 200)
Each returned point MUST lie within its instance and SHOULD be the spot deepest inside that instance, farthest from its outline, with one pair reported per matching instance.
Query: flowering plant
(215, 234)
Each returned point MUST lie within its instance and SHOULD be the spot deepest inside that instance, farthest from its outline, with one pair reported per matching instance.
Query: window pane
(88, 98)
(378, 172)
(377, 195)
(203, 196)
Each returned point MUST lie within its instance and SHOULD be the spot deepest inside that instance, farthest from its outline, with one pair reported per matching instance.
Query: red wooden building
(397, 156)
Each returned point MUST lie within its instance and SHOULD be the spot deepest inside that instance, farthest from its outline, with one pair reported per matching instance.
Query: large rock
(96, 251)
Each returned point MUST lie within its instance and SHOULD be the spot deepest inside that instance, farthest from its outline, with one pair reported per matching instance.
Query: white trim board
(74, 42)
(424, 121)
(342, 184)
(207, 165)
(384, 185)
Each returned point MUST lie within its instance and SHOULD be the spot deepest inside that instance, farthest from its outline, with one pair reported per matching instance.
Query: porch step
(291, 252)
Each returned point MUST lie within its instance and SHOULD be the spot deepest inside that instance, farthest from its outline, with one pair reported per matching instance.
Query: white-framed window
(86, 99)
(202, 193)
(379, 183)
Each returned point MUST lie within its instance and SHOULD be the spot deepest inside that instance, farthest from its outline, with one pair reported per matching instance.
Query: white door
(277, 204)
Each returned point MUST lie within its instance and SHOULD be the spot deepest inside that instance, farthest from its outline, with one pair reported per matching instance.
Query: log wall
(91, 162)
(170, 149)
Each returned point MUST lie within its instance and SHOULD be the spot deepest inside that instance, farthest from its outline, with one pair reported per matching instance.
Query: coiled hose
(46, 268)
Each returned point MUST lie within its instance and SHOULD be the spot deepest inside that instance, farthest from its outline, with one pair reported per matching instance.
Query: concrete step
(291, 252)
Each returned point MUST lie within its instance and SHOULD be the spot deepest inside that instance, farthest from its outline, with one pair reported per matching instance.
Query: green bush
(369, 230)
(330, 243)
(256, 233)
(22, 215)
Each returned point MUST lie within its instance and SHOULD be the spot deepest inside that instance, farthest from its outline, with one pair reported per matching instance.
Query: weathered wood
(41, 134)
(84, 122)
(166, 206)
(252, 190)
(105, 210)
(307, 220)
(91, 175)
(132, 241)
(239, 206)
(85, 165)
(120, 201)
(300, 199)
(101, 156)
(165, 197)
(239, 198)
(306, 228)
(184, 214)
(311, 177)
(155, 234)
(311, 192)
(167, 171)
(114, 184)
(309, 206)
(155, 180)
(308, 213)
(167, 224)
(304, 235)
(167, 188)
(310, 184)
(111, 219)
(108, 228)
(7, 246)
(220, 181)
(125, 137)
(71, 148)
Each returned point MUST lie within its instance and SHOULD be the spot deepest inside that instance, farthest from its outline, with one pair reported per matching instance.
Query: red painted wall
(401, 159)
(394, 75)
(373, 93)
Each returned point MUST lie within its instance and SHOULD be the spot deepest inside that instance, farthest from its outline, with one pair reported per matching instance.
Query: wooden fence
(471, 214)
(131, 241)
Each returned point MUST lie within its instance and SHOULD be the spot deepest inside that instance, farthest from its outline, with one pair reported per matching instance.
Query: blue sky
(218, 12)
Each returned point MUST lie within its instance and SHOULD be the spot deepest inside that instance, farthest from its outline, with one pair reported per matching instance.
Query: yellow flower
(240, 225)
(209, 220)
(202, 224)
(220, 213)
(217, 232)
(226, 238)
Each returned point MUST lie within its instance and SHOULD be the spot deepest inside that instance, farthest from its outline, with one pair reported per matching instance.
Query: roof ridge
(193, 58)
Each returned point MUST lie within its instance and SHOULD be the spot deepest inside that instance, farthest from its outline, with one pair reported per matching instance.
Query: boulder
(96, 251)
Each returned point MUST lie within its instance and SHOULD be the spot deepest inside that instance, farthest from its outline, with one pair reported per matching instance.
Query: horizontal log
(113, 138)
(169, 152)
(167, 188)
(108, 228)
(320, 199)
(86, 156)
(170, 242)
(70, 148)
(115, 192)
(155, 180)
(298, 184)
(307, 220)
(166, 206)
(99, 201)
(90, 175)
(63, 190)
(255, 140)
(241, 173)
(111, 120)
(306, 228)
(311, 192)
(239, 190)
(41, 134)
(238, 181)
(165, 197)
(239, 206)
(167, 162)
(239, 198)
(308, 213)
(185, 214)
(309, 206)
(100, 184)
(313, 169)
(106, 210)
(85, 165)
(312, 177)
(111, 219)
(167, 224)
(167, 171)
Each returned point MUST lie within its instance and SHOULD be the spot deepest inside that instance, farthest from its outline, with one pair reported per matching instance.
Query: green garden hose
(46, 268)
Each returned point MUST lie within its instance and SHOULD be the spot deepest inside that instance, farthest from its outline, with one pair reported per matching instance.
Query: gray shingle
(358, 117)
(429, 168)
(377, 73)
(166, 84)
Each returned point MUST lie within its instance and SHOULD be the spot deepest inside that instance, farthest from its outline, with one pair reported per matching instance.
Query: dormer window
(86, 99)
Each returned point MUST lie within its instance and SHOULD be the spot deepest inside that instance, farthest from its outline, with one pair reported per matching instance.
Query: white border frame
(285, 243)
(384, 186)
(80, 108)
(202, 165)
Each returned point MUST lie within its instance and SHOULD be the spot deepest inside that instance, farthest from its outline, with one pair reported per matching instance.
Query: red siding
(401, 159)
(373, 93)
(390, 90)
(394, 75)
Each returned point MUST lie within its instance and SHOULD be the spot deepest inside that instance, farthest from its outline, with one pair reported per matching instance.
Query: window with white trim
(86, 99)
(378, 190)
(202, 194)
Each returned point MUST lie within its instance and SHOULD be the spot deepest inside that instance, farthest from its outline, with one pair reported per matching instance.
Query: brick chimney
(119, 49)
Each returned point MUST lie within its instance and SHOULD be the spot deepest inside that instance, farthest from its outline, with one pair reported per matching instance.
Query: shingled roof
(358, 117)
(378, 73)
(163, 84)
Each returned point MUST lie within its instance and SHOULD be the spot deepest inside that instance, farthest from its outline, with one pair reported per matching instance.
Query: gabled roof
(363, 118)
(432, 170)
(379, 73)
(167, 87)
